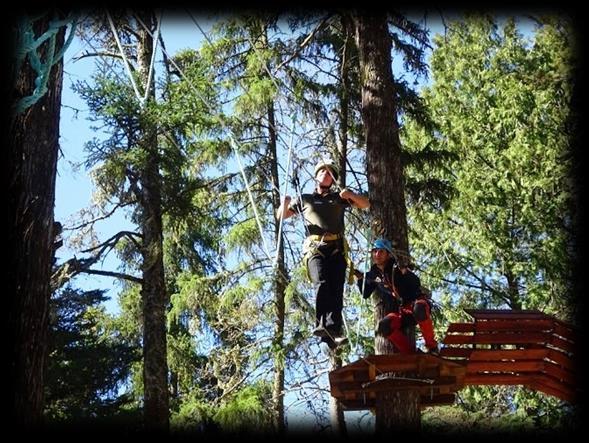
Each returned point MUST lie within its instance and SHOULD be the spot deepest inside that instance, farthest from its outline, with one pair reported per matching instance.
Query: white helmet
(327, 164)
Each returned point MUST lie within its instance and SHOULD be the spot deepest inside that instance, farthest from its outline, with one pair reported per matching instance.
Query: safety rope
(125, 60)
(142, 99)
(367, 265)
(299, 195)
(27, 47)
(152, 62)
(286, 176)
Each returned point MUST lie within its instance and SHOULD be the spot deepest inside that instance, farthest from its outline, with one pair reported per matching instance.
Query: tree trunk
(398, 411)
(383, 147)
(280, 276)
(336, 412)
(280, 282)
(33, 145)
(153, 292)
(385, 186)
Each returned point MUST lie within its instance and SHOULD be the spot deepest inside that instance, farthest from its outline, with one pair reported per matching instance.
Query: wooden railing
(509, 347)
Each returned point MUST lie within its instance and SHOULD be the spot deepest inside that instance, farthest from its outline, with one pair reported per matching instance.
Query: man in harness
(325, 249)
(403, 297)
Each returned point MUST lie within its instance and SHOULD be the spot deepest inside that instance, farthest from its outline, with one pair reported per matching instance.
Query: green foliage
(89, 360)
(500, 102)
(240, 297)
(452, 420)
(500, 409)
(247, 411)
(194, 415)
(242, 235)
(504, 233)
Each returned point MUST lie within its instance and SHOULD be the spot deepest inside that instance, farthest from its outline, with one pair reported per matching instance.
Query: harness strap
(310, 248)
(324, 237)
(349, 262)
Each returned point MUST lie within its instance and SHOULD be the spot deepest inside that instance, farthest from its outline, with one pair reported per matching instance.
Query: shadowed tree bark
(33, 145)
(385, 186)
(153, 292)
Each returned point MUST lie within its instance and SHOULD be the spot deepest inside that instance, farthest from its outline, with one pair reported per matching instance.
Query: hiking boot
(338, 341)
(435, 350)
(334, 343)
(320, 331)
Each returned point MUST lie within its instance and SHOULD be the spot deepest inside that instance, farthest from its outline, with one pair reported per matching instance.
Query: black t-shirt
(323, 213)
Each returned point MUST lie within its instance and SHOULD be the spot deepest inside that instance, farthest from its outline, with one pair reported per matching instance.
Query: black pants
(327, 270)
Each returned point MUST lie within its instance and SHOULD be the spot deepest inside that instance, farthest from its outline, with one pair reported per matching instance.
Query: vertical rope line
(125, 61)
(280, 220)
(152, 63)
(366, 265)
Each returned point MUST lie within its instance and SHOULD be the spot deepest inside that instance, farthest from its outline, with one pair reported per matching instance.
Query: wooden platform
(509, 347)
(501, 347)
(355, 385)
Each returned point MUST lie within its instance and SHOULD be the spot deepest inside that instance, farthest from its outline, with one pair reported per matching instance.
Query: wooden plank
(485, 314)
(498, 379)
(564, 345)
(513, 325)
(335, 391)
(375, 366)
(451, 352)
(561, 374)
(561, 358)
(358, 365)
(406, 383)
(425, 401)
(565, 330)
(348, 375)
(381, 359)
(458, 339)
(503, 338)
(552, 387)
(460, 327)
(507, 354)
(429, 368)
(350, 390)
(504, 366)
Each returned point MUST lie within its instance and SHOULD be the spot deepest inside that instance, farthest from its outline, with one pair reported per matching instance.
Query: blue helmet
(381, 243)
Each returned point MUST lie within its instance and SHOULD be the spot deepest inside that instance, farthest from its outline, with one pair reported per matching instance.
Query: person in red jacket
(399, 289)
